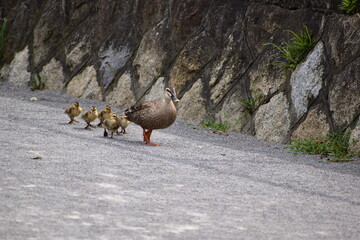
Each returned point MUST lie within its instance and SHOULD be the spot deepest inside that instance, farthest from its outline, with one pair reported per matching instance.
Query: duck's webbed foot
(147, 138)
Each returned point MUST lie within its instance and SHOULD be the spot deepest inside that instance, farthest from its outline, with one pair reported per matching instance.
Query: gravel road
(60, 181)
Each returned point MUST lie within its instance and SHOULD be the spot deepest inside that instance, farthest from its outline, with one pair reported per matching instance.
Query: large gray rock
(264, 77)
(48, 31)
(112, 59)
(17, 72)
(272, 120)
(315, 125)
(355, 139)
(222, 74)
(192, 105)
(307, 80)
(233, 112)
(122, 96)
(197, 52)
(156, 92)
(53, 75)
(76, 53)
(344, 97)
(151, 56)
(85, 85)
(343, 43)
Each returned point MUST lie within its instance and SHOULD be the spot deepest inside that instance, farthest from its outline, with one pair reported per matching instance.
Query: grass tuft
(3, 35)
(336, 145)
(37, 82)
(251, 103)
(210, 123)
(293, 52)
(349, 6)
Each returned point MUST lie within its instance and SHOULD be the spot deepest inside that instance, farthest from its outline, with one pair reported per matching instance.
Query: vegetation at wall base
(251, 103)
(336, 145)
(3, 36)
(37, 82)
(349, 6)
(210, 123)
(293, 52)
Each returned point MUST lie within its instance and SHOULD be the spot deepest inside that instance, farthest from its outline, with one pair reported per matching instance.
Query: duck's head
(108, 108)
(93, 109)
(77, 104)
(171, 95)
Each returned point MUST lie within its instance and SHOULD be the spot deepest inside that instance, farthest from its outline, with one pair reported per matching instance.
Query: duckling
(112, 124)
(73, 111)
(153, 115)
(104, 114)
(124, 123)
(90, 116)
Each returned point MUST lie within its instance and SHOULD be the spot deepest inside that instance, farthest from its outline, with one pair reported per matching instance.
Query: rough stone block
(54, 76)
(192, 104)
(307, 80)
(344, 96)
(85, 85)
(18, 69)
(272, 120)
(315, 125)
(122, 96)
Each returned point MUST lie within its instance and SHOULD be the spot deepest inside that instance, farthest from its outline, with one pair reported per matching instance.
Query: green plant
(3, 35)
(37, 82)
(349, 6)
(210, 123)
(293, 52)
(251, 103)
(335, 145)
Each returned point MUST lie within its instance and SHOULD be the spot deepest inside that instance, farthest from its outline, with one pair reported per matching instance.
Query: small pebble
(34, 99)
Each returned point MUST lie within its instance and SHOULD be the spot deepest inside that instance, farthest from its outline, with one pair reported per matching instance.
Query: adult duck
(152, 115)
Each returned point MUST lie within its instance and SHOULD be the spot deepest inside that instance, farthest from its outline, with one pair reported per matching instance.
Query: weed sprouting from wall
(349, 6)
(3, 36)
(291, 53)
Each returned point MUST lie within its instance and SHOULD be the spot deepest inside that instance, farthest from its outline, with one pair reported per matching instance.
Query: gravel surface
(60, 181)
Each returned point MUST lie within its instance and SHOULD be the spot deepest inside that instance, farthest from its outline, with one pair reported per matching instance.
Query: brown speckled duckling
(73, 111)
(104, 114)
(112, 124)
(124, 123)
(90, 116)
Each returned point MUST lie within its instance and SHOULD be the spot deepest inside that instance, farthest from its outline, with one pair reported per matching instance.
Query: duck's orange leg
(144, 134)
(147, 134)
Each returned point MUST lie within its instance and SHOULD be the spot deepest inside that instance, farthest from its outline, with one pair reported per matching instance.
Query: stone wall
(213, 52)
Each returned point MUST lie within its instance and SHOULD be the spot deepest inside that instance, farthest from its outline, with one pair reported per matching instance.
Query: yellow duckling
(73, 111)
(90, 116)
(104, 114)
(112, 124)
(124, 123)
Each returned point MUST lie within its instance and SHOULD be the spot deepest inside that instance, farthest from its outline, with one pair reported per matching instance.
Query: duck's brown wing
(68, 110)
(141, 110)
